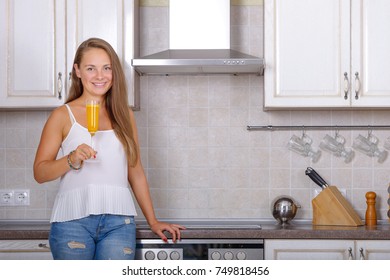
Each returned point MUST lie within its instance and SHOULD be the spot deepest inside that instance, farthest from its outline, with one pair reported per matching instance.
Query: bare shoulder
(59, 115)
(59, 121)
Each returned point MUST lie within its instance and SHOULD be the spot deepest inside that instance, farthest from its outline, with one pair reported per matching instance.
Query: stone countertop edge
(297, 232)
(273, 231)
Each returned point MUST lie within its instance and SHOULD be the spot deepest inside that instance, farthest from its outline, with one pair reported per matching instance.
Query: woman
(93, 214)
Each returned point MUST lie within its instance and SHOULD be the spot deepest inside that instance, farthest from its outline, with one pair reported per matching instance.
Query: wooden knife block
(331, 208)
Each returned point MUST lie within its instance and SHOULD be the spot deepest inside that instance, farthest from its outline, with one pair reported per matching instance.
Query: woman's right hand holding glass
(81, 153)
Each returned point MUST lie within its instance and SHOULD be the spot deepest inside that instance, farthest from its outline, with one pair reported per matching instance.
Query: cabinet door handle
(69, 83)
(350, 255)
(357, 85)
(59, 85)
(43, 245)
(362, 254)
(346, 85)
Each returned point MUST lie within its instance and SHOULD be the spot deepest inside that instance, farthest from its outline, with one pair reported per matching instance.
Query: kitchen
(200, 159)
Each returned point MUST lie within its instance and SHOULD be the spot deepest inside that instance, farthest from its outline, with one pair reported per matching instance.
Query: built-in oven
(201, 249)
(213, 239)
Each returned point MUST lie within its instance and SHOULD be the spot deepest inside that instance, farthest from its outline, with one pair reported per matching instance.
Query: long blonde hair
(116, 101)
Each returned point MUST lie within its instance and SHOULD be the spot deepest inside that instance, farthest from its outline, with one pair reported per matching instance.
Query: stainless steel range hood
(199, 45)
(174, 62)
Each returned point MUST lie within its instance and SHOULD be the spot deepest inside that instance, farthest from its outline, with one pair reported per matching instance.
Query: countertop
(253, 229)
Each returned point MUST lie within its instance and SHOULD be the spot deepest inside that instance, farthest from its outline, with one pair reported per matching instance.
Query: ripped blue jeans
(96, 237)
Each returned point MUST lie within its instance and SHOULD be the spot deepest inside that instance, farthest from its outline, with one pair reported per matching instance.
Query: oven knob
(228, 255)
(241, 255)
(162, 255)
(215, 255)
(174, 255)
(149, 255)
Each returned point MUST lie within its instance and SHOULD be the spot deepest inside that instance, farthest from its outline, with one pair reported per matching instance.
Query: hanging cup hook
(369, 131)
(336, 134)
(303, 131)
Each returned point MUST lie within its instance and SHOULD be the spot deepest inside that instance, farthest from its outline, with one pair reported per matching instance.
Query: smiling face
(95, 72)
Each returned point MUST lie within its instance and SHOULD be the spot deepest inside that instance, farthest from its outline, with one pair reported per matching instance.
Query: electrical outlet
(343, 192)
(14, 197)
(6, 198)
(21, 197)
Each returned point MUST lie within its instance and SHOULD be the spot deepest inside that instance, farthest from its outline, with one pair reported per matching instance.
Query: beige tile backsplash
(200, 160)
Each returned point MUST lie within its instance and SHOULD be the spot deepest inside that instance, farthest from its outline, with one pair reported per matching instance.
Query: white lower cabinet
(25, 250)
(320, 249)
(372, 249)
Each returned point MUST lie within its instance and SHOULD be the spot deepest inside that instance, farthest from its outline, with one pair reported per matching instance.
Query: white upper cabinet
(326, 53)
(370, 53)
(39, 39)
(32, 53)
(111, 20)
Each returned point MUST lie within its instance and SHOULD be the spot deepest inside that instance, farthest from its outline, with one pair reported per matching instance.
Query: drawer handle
(362, 254)
(350, 255)
(43, 245)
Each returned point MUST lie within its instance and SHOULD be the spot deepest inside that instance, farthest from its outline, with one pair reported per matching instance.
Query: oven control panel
(200, 249)
(159, 254)
(235, 254)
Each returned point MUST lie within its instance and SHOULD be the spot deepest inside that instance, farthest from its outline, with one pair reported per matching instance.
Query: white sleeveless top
(97, 188)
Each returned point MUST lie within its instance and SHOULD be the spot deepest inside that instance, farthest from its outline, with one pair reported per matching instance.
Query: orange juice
(93, 117)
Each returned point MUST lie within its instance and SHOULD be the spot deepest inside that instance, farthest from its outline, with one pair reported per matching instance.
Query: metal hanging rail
(316, 127)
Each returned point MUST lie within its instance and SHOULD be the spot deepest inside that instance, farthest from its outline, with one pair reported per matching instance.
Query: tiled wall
(200, 160)
(19, 136)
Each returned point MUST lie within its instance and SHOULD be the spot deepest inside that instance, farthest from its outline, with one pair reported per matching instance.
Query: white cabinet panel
(320, 249)
(25, 250)
(291, 249)
(39, 39)
(96, 18)
(32, 70)
(32, 52)
(104, 20)
(370, 52)
(111, 20)
(305, 53)
(373, 249)
(3, 49)
(326, 54)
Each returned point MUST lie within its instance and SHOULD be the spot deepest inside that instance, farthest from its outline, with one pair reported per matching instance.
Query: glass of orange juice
(93, 107)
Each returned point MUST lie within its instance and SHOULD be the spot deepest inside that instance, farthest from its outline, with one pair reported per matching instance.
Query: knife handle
(324, 183)
(316, 177)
